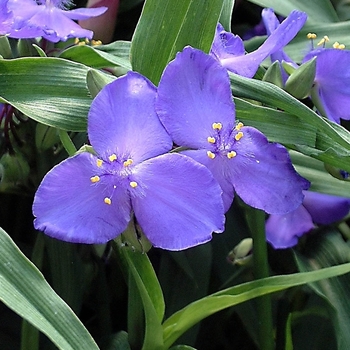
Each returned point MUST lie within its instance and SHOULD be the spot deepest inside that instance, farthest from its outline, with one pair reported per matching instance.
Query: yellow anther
(87, 40)
(81, 43)
(211, 139)
(99, 162)
(94, 179)
(325, 39)
(231, 154)
(107, 201)
(239, 135)
(128, 162)
(217, 126)
(210, 154)
(336, 45)
(133, 184)
(311, 36)
(239, 126)
(76, 41)
(96, 42)
(112, 157)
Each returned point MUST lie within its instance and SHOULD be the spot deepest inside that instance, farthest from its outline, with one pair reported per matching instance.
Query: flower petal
(178, 204)
(69, 207)
(194, 92)
(263, 175)
(324, 208)
(219, 167)
(85, 13)
(122, 120)
(282, 231)
(247, 65)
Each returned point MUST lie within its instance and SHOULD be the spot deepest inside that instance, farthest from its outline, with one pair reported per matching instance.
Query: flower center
(223, 140)
(118, 168)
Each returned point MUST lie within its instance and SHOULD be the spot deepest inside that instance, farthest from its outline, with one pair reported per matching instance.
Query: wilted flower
(283, 231)
(195, 105)
(48, 19)
(91, 198)
(229, 50)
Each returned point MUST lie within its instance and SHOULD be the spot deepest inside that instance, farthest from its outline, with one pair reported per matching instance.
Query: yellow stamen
(94, 179)
(336, 45)
(311, 36)
(239, 126)
(81, 43)
(210, 154)
(96, 42)
(112, 157)
(128, 162)
(325, 39)
(107, 201)
(239, 135)
(76, 41)
(217, 126)
(133, 184)
(211, 139)
(87, 40)
(99, 162)
(231, 154)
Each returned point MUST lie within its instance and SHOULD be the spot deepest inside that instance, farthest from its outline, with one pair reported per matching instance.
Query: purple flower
(6, 18)
(229, 48)
(91, 198)
(195, 105)
(48, 19)
(283, 231)
(331, 91)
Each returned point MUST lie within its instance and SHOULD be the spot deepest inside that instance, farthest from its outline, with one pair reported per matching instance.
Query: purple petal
(69, 207)
(270, 20)
(194, 92)
(179, 205)
(122, 120)
(219, 167)
(332, 80)
(263, 175)
(247, 65)
(324, 208)
(85, 13)
(282, 231)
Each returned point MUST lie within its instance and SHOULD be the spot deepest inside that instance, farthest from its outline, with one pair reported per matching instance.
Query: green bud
(45, 137)
(274, 75)
(14, 170)
(337, 173)
(241, 254)
(300, 82)
(288, 67)
(5, 47)
(25, 48)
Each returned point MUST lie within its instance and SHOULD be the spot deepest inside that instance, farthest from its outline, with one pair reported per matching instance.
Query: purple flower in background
(195, 105)
(91, 198)
(6, 17)
(283, 231)
(48, 19)
(331, 91)
(229, 48)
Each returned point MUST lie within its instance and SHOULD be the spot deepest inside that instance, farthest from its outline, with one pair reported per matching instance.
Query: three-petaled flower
(229, 50)
(46, 18)
(283, 231)
(91, 198)
(195, 105)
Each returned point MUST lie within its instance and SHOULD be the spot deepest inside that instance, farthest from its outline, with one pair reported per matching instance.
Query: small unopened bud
(242, 253)
(45, 137)
(274, 75)
(300, 82)
(337, 173)
(5, 48)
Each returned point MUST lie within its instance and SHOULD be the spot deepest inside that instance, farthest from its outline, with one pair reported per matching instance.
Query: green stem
(67, 142)
(256, 222)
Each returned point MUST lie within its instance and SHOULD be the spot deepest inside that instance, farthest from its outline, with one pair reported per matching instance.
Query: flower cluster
(44, 18)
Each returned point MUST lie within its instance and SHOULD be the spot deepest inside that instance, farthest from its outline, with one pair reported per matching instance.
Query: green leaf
(96, 80)
(332, 141)
(166, 27)
(321, 11)
(51, 91)
(328, 249)
(141, 270)
(184, 319)
(25, 291)
(101, 56)
(226, 14)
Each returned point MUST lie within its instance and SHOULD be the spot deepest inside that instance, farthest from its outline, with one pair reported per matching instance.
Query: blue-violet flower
(48, 19)
(91, 198)
(283, 231)
(229, 48)
(195, 105)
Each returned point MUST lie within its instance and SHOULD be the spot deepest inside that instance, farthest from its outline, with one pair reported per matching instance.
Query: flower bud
(337, 173)
(302, 79)
(45, 137)
(5, 48)
(273, 75)
(241, 254)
